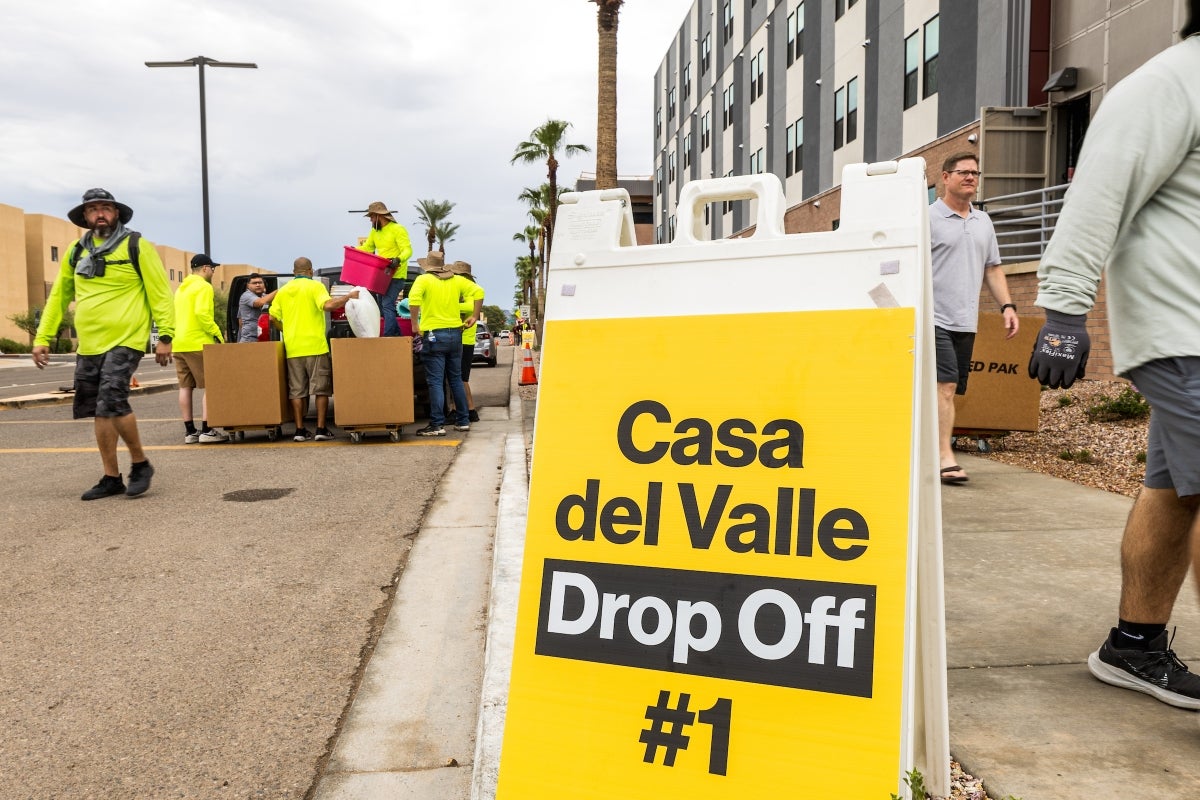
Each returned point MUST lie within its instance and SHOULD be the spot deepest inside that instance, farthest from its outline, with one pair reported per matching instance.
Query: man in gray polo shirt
(965, 258)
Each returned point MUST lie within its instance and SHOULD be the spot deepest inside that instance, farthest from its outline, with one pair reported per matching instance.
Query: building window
(794, 147)
(931, 56)
(687, 151)
(839, 8)
(798, 152)
(727, 109)
(671, 227)
(707, 214)
(53, 254)
(753, 163)
(756, 76)
(912, 58)
(758, 162)
(839, 118)
(706, 53)
(705, 131)
(687, 82)
(795, 25)
(727, 22)
(727, 205)
(671, 104)
(658, 239)
(657, 122)
(658, 182)
(670, 167)
(852, 110)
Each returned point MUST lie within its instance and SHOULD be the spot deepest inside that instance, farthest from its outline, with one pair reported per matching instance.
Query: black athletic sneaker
(139, 478)
(323, 435)
(474, 415)
(432, 430)
(302, 435)
(107, 487)
(1156, 671)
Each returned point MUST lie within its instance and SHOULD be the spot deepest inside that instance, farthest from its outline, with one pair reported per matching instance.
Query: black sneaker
(323, 435)
(1155, 671)
(432, 430)
(139, 478)
(302, 435)
(107, 487)
(459, 427)
(473, 415)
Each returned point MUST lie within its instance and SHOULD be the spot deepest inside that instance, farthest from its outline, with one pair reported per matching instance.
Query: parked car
(237, 287)
(336, 325)
(506, 337)
(339, 328)
(485, 347)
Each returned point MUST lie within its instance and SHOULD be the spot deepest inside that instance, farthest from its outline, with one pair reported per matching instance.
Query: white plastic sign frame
(718, 567)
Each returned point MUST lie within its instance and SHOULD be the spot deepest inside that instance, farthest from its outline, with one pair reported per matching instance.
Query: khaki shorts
(189, 367)
(310, 375)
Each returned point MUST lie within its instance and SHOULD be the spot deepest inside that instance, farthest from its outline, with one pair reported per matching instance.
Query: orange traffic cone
(528, 376)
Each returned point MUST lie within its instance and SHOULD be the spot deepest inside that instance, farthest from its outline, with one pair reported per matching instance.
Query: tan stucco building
(32, 247)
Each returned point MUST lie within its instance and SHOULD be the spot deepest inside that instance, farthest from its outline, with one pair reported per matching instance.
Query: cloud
(352, 102)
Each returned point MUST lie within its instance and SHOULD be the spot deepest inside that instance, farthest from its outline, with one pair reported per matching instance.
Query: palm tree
(544, 144)
(444, 233)
(530, 237)
(526, 268)
(432, 213)
(607, 13)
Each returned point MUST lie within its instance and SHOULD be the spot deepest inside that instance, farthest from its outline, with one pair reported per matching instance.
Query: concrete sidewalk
(1032, 579)
(1032, 582)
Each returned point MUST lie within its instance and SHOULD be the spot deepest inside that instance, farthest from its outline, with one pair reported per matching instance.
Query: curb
(63, 398)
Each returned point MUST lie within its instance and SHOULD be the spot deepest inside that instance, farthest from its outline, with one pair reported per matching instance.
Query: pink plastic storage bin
(367, 270)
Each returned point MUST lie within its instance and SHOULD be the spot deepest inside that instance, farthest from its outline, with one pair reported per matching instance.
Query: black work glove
(1061, 350)
(395, 262)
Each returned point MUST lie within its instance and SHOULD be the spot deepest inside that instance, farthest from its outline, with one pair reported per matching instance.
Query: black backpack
(134, 239)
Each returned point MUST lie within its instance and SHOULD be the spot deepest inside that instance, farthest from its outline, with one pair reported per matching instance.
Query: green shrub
(1065, 400)
(9, 346)
(1078, 456)
(1129, 404)
(1141, 457)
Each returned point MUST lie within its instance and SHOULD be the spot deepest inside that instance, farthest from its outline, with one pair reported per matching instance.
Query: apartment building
(32, 247)
(801, 88)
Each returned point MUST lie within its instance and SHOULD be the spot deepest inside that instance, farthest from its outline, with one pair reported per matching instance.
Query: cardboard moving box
(373, 381)
(1000, 394)
(246, 384)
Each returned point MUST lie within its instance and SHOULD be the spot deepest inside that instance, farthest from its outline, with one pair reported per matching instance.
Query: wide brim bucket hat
(98, 196)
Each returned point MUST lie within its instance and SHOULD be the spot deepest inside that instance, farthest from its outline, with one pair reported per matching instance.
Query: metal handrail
(1025, 221)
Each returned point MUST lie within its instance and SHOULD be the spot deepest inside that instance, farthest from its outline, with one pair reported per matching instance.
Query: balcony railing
(1025, 221)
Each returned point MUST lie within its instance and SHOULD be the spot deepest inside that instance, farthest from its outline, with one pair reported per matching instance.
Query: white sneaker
(214, 436)
(192, 438)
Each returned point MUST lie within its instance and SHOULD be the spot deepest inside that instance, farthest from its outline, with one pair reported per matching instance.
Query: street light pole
(202, 62)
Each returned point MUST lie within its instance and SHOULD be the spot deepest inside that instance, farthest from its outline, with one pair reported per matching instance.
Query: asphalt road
(204, 639)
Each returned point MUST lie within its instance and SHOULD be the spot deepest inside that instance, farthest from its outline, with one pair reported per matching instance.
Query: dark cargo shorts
(102, 383)
(1172, 387)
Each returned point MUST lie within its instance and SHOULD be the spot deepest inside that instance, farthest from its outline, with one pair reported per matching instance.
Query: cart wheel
(394, 435)
(983, 446)
(355, 437)
(272, 434)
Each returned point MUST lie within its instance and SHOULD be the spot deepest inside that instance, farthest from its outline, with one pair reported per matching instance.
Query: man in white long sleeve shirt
(1133, 213)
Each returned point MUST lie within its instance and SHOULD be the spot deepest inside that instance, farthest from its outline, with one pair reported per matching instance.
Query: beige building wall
(33, 246)
(47, 241)
(14, 285)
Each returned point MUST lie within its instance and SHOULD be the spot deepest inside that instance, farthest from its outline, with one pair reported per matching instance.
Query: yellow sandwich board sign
(718, 595)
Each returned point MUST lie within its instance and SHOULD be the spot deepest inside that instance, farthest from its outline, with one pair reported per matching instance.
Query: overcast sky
(352, 102)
